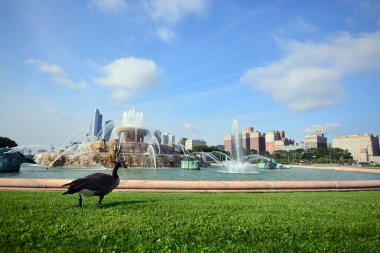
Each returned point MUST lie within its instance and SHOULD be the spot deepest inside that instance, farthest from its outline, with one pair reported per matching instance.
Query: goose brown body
(97, 184)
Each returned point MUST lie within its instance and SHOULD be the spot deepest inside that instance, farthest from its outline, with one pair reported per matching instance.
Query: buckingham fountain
(128, 143)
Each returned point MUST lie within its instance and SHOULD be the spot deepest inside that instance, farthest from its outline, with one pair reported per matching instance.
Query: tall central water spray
(238, 165)
(235, 132)
(132, 118)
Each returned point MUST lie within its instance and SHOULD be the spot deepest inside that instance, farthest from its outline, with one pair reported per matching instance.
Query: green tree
(280, 154)
(6, 142)
(206, 148)
(340, 155)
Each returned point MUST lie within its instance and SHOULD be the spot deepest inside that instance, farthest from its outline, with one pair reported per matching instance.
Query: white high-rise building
(168, 139)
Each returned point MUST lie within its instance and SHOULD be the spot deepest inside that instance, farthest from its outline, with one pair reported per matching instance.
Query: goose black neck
(114, 171)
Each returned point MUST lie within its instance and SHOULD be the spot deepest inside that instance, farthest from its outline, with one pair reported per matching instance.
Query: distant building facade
(221, 147)
(165, 139)
(190, 144)
(363, 148)
(271, 139)
(282, 144)
(182, 141)
(228, 143)
(317, 140)
(295, 146)
(253, 140)
(171, 139)
(248, 139)
(168, 139)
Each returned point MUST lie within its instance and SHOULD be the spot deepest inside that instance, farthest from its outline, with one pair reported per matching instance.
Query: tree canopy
(318, 155)
(6, 142)
(205, 148)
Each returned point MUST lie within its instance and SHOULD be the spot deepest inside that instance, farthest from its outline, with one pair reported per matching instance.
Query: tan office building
(190, 144)
(363, 148)
(317, 140)
(228, 143)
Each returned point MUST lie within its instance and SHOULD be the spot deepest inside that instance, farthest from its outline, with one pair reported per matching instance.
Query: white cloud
(165, 14)
(47, 68)
(189, 127)
(115, 6)
(328, 127)
(166, 34)
(173, 11)
(168, 13)
(126, 76)
(310, 75)
(297, 26)
(57, 74)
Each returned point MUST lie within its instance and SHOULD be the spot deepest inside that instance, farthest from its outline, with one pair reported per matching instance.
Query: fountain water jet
(236, 166)
(235, 132)
(152, 155)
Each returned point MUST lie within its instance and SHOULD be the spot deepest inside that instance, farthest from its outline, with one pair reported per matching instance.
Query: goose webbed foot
(80, 200)
(100, 199)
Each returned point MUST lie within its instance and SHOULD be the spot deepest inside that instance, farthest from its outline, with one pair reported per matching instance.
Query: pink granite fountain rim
(199, 186)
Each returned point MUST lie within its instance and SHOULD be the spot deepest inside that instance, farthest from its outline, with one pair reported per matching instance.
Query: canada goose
(98, 184)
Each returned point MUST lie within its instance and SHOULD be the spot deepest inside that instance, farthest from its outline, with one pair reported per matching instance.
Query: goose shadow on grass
(125, 203)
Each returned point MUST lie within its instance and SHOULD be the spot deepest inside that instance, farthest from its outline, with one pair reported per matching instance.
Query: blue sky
(189, 66)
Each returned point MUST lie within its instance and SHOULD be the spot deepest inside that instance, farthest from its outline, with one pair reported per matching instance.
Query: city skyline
(190, 66)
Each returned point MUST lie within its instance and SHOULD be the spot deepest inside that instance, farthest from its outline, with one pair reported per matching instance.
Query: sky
(190, 67)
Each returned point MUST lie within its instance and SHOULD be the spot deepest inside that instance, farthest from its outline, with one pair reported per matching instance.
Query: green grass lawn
(155, 222)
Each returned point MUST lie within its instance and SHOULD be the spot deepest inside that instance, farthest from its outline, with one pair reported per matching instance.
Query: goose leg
(80, 200)
(100, 199)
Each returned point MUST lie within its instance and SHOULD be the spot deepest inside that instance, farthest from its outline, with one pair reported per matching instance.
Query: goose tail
(65, 185)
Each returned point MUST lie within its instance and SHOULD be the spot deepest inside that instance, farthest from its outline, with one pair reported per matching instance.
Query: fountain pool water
(211, 173)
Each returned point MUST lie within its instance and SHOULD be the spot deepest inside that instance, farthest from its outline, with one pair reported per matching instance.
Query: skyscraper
(107, 129)
(157, 134)
(97, 123)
